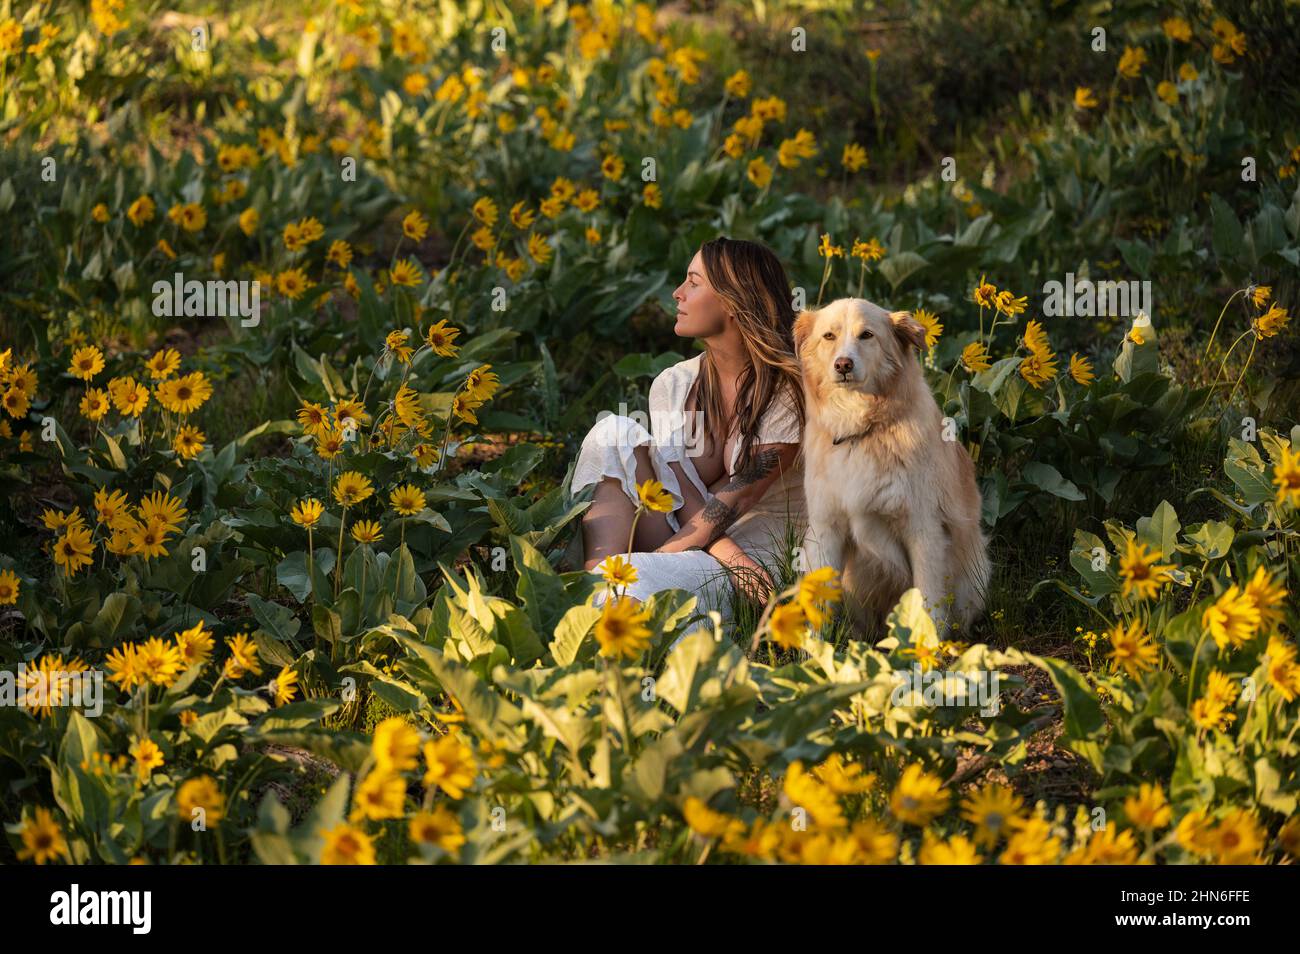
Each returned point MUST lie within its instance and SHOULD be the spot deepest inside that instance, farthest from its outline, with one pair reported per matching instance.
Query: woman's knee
(605, 499)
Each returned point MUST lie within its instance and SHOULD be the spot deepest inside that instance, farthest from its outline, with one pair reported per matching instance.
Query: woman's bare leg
(608, 521)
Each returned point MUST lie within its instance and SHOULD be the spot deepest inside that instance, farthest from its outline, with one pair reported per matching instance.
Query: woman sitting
(725, 429)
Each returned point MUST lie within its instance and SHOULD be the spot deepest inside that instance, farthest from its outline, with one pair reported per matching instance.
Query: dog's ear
(803, 328)
(908, 329)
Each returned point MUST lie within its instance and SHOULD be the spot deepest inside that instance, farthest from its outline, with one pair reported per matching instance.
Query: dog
(891, 503)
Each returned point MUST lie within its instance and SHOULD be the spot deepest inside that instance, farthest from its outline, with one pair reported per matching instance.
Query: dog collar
(851, 437)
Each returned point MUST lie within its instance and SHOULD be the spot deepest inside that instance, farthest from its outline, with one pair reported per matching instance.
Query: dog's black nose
(843, 365)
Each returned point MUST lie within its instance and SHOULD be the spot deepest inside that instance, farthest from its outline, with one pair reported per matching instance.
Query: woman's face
(700, 312)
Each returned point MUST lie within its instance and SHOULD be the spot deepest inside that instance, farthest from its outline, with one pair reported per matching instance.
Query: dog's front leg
(823, 545)
(925, 551)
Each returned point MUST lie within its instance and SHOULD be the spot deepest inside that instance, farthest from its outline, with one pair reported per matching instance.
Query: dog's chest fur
(853, 482)
(874, 472)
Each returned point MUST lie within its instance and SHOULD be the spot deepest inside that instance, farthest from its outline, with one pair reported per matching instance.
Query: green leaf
(1135, 360)
(115, 455)
(79, 740)
(993, 378)
(678, 685)
(571, 635)
(324, 815)
(326, 624)
(1211, 540)
(649, 774)
(645, 364)
(1255, 487)
(515, 464)
(516, 631)
(909, 623)
(570, 728)
(277, 620)
(1084, 721)
(206, 727)
(1048, 479)
(291, 573)
(1180, 636)
(398, 693)
(1160, 530)
(1227, 238)
(897, 268)
(540, 589)
(115, 617)
(296, 715)
(1269, 789)
(1137, 255)
(1017, 399)
(1088, 549)
(487, 712)
(402, 582)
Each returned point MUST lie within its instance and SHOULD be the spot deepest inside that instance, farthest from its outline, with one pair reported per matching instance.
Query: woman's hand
(748, 576)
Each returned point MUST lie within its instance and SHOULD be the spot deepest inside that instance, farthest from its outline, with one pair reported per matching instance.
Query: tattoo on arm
(762, 465)
(717, 515)
(721, 515)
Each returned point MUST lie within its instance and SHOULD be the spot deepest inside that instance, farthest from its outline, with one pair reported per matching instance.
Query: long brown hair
(752, 283)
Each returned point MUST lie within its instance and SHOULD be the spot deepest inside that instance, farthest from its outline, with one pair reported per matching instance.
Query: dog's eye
(865, 334)
(829, 336)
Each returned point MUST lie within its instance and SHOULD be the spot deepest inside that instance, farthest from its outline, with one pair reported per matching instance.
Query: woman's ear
(908, 329)
(803, 327)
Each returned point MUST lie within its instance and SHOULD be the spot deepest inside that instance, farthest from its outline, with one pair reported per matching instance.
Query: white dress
(608, 450)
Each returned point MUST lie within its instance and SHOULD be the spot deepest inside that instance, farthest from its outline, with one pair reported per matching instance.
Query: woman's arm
(692, 502)
(748, 576)
(703, 528)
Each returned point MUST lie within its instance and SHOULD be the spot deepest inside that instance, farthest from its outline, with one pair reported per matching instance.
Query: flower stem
(338, 559)
(311, 581)
(1222, 364)
(1191, 677)
(632, 533)
(1208, 345)
(1244, 369)
(826, 272)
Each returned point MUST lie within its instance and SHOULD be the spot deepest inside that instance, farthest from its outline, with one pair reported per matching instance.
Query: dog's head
(856, 345)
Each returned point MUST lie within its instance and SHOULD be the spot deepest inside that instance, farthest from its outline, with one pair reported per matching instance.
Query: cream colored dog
(890, 502)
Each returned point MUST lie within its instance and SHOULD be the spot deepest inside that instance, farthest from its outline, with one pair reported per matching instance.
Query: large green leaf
(291, 573)
(277, 620)
(1083, 719)
(1160, 530)
(540, 589)
(571, 635)
(486, 710)
(402, 582)
(1048, 479)
(326, 814)
(1227, 237)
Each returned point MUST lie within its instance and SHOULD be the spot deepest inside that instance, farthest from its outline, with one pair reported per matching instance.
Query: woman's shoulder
(677, 376)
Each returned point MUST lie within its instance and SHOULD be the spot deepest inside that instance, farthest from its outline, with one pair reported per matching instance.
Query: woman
(725, 428)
